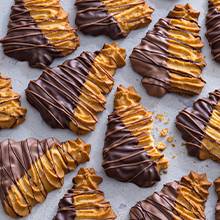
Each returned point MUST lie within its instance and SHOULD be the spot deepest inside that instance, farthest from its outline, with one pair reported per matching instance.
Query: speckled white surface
(121, 195)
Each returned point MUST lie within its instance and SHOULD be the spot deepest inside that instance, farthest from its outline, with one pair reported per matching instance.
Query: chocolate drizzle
(70, 95)
(213, 28)
(93, 18)
(217, 207)
(56, 93)
(25, 41)
(193, 121)
(98, 17)
(85, 200)
(184, 199)
(32, 168)
(169, 57)
(130, 157)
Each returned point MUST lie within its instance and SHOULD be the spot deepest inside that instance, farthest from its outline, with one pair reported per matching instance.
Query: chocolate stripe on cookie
(129, 153)
(199, 126)
(169, 57)
(30, 169)
(217, 208)
(184, 199)
(70, 95)
(213, 28)
(85, 200)
(11, 112)
(38, 32)
(114, 18)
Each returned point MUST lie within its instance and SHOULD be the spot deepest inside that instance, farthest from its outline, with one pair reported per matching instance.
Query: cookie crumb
(161, 146)
(164, 132)
(160, 117)
(170, 139)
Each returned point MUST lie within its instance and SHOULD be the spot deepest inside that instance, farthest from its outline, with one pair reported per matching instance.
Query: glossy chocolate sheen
(184, 199)
(156, 56)
(17, 157)
(85, 200)
(30, 169)
(25, 41)
(192, 122)
(213, 28)
(124, 159)
(112, 18)
(217, 207)
(56, 93)
(96, 21)
(70, 95)
(129, 154)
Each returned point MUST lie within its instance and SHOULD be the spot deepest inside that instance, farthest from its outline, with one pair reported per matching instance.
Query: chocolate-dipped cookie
(70, 95)
(169, 57)
(114, 18)
(30, 169)
(129, 153)
(217, 208)
(199, 126)
(12, 113)
(85, 200)
(184, 199)
(213, 28)
(38, 32)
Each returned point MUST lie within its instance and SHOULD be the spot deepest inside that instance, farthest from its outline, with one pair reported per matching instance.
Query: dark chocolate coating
(124, 158)
(25, 41)
(149, 59)
(66, 209)
(93, 18)
(56, 92)
(184, 199)
(16, 159)
(192, 121)
(158, 206)
(213, 30)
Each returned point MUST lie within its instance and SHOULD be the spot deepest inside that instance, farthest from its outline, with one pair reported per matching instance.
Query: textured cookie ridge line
(30, 169)
(212, 24)
(12, 113)
(114, 18)
(71, 95)
(129, 154)
(184, 199)
(217, 207)
(169, 57)
(38, 32)
(199, 126)
(85, 200)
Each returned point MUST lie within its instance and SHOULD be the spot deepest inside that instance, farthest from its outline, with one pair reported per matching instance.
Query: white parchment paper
(121, 195)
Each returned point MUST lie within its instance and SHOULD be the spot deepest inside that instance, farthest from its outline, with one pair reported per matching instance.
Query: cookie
(38, 32)
(31, 168)
(217, 208)
(113, 18)
(70, 95)
(129, 153)
(184, 199)
(12, 113)
(169, 57)
(85, 200)
(199, 126)
(213, 29)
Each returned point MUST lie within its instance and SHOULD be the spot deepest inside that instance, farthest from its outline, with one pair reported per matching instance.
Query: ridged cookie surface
(129, 153)
(169, 57)
(31, 168)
